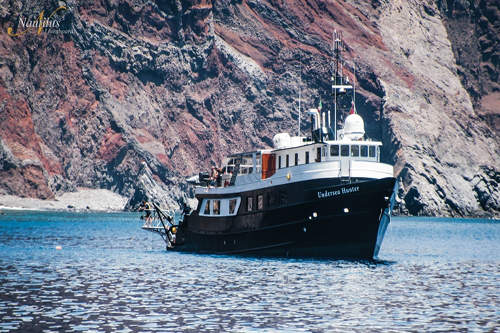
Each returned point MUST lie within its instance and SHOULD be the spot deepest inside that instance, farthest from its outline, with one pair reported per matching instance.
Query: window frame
(206, 210)
(345, 153)
(250, 204)
(260, 201)
(235, 201)
(332, 148)
(354, 150)
(361, 151)
(372, 153)
(216, 207)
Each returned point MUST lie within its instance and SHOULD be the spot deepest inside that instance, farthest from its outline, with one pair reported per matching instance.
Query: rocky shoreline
(81, 200)
(102, 200)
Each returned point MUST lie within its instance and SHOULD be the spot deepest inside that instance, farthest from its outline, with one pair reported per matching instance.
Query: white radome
(354, 127)
(281, 140)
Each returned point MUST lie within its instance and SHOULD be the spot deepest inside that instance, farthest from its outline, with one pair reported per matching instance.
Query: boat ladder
(160, 222)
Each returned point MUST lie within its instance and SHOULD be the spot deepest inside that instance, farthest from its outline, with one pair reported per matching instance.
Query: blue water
(109, 275)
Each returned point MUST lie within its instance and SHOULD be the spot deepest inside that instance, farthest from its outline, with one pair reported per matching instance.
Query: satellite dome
(281, 140)
(354, 127)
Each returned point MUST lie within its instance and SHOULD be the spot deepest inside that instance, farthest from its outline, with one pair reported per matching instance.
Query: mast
(339, 84)
(300, 89)
(354, 87)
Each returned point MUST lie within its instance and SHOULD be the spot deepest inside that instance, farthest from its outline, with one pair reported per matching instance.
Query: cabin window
(334, 150)
(279, 162)
(344, 150)
(287, 161)
(307, 157)
(318, 154)
(216, 207)
(364, 151)
(372, 151)
(355, 151)
(206, 211)
(232, 206)
(260, 201)
(258, 163)
(296, 158)
(271, 199)
(220, 207)
(249, 204)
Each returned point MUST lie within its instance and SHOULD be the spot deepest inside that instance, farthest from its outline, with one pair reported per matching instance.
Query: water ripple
(113, 277)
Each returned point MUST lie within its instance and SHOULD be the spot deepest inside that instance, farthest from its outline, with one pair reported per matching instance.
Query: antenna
(340, 84)
(300, 89)
(354, 87)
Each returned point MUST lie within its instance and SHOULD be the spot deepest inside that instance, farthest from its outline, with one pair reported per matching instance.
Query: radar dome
(281, 140)
(354, 127)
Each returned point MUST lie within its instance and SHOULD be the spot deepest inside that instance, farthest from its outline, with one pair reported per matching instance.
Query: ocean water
(109, 275)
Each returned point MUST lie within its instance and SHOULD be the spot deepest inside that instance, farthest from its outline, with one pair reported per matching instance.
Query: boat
(324, 195)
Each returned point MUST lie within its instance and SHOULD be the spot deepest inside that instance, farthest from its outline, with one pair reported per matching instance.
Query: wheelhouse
(340, 155)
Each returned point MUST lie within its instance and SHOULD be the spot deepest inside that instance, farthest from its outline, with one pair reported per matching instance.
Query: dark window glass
(260, 201)
(207, 208)
(271, 198)
(296, 159)
(216, 208)
(364, 151)
(334, 150)
(344, 150)
(318, 154)
(232, 206)
(279, 162)
(287, 161)
(372, 151)
(307, 157)
(249, 204)
(355, 151)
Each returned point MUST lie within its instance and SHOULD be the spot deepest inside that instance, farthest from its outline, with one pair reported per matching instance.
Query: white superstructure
(295, 159)
(328, 153)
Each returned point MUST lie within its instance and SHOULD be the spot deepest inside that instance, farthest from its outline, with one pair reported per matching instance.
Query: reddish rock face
(25, 174)
(110, 145)
(180, 84)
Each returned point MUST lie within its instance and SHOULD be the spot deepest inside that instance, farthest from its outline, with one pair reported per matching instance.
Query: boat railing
(161, 222)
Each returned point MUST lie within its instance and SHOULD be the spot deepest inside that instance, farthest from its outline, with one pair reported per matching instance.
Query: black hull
(317, 220)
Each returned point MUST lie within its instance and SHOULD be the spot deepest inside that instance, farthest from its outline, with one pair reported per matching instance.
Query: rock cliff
(124, 93)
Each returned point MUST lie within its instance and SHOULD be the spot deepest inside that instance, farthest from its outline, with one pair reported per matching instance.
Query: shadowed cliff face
(474, 29)
(179, 84)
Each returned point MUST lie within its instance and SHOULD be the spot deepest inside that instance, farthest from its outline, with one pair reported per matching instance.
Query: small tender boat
(323, 195)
